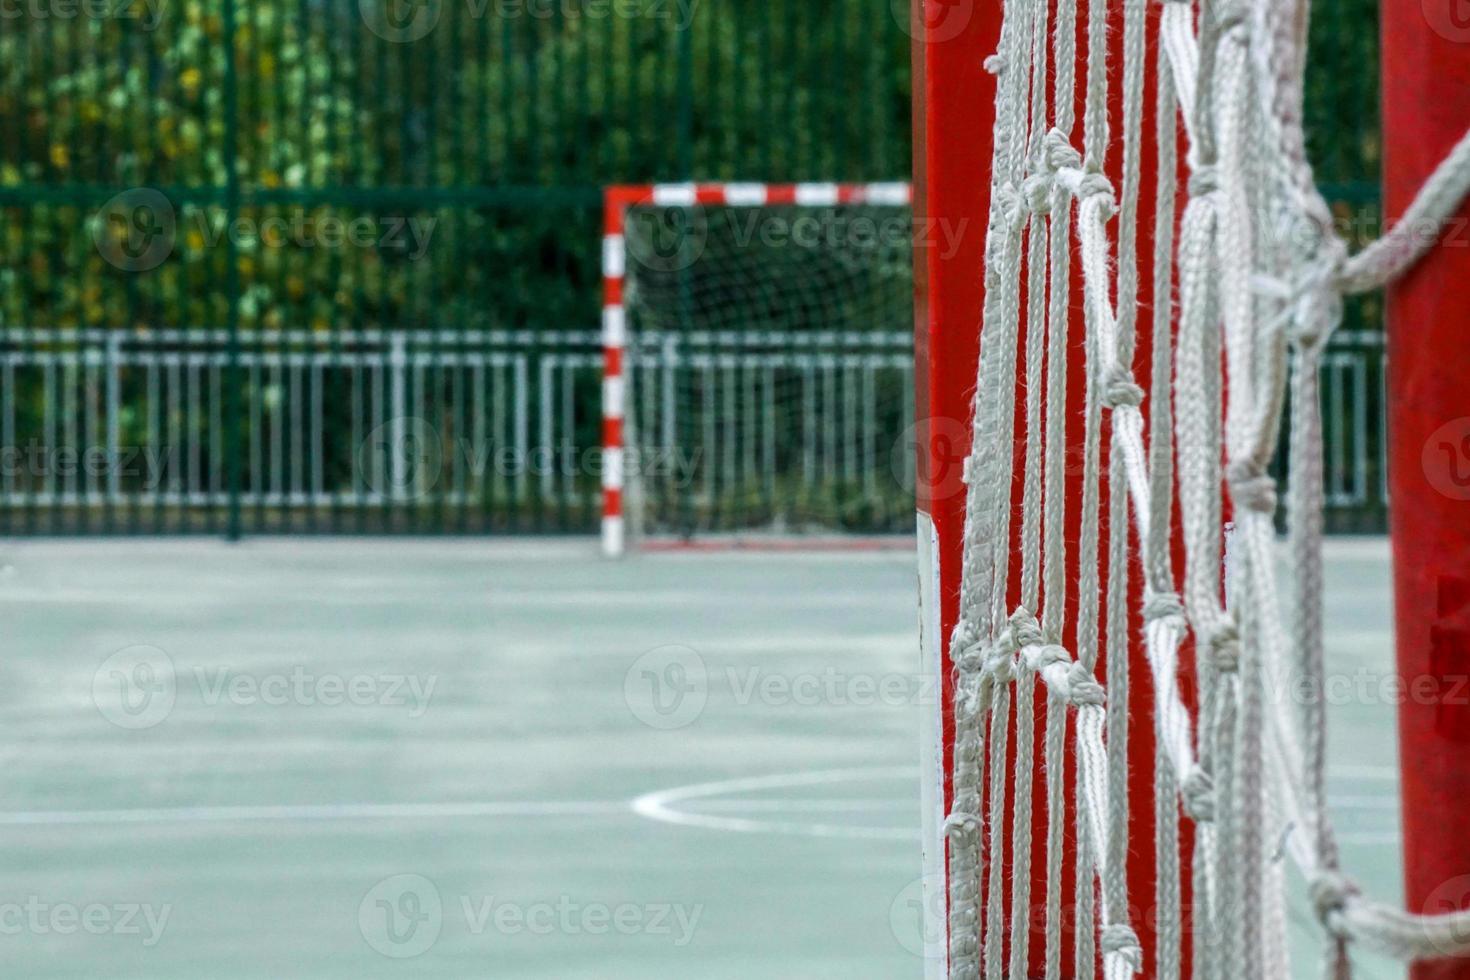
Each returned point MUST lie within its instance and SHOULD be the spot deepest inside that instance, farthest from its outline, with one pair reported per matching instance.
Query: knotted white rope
(1253, 317)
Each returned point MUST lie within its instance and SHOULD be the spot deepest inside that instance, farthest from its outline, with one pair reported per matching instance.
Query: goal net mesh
(770, 370)
(1246, 276)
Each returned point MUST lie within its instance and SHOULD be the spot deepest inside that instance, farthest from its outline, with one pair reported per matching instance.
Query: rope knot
(1096, 187)
(1057, 152)
(1082, 688)
(1038, 658)
(995, 64)
(1012, 207)
(960, 823)
(1229, 18)
(1163, 606)
(1204, 181)
(1198, 792)
(1123, 941)
(1224, 647)
(970, 659)
(1331, 891)
(966, 651)
(1317, 302)
(1025, 630)
(1036, 189)
(1119, 388)
(1000, 661)
(1250, 486)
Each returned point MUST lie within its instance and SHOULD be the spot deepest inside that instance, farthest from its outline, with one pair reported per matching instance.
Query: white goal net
(1248, 276)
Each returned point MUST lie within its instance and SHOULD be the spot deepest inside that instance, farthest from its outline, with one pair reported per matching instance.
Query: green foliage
(495, 130)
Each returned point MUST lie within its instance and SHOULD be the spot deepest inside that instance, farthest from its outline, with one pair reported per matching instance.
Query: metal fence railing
(482, 431)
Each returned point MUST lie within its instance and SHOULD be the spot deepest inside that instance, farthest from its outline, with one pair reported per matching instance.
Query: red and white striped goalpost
(1426, 75)
(618, 200)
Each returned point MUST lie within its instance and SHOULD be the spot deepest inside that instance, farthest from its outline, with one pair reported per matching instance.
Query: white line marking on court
(1363, 772)
(1371, 838)
(1364, 802)
(659, 805)
(807, 806)
(338, 811)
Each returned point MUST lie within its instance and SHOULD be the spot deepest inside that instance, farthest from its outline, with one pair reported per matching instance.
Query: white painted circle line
(660, 805)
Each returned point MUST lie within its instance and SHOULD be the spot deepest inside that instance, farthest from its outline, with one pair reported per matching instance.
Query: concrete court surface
(451, 758)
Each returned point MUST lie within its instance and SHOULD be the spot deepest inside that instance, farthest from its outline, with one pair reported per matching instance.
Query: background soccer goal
(757, 363)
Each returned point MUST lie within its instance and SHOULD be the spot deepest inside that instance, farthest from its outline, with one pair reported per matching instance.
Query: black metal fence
(245, 244)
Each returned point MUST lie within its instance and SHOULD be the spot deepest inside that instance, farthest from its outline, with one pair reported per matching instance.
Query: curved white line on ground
(660, 805)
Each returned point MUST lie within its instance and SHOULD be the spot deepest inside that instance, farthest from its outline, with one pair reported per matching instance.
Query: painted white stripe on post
(613, 253)
(612, 468)
(745, 195)
(612, 536)
(614, 327)
(673, 194)
(895, 193)
(612, 397)
(816, 194)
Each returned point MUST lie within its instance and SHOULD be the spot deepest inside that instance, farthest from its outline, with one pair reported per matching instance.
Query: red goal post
(953, 117)
(1426, 57)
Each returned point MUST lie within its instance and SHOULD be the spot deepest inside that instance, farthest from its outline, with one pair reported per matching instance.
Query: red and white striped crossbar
(617, 200)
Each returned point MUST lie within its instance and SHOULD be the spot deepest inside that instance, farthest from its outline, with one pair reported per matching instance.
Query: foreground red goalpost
(1426, 52)
(1426, 58)
(953, 116)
